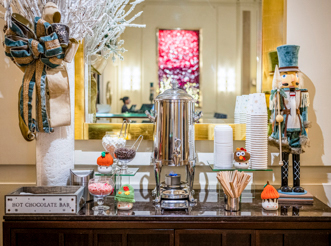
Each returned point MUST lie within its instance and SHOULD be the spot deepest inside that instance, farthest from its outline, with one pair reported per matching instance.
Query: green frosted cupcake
(125, 194)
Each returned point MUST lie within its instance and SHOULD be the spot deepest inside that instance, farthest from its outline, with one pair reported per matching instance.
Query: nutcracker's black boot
(285, 187)
(296, 173)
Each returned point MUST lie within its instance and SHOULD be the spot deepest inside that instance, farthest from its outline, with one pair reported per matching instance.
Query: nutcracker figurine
(289, 106)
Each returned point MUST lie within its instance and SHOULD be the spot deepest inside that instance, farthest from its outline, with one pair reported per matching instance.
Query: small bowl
(100, 188)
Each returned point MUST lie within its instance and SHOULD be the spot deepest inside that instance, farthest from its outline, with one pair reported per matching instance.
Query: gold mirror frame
(273, 35)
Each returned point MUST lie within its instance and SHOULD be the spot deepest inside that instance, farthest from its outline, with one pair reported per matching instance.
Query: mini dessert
(241, 158)
(125, 197)
(269, 197)
(104, 163)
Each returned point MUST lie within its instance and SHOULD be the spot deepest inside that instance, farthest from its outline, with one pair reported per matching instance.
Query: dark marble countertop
(209, 207)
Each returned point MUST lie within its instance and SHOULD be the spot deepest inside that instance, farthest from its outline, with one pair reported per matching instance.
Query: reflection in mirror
(212, 48)
(179, 59)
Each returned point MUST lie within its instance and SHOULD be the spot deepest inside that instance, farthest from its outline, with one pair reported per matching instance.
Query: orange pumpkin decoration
(105, 159)
(269, 192)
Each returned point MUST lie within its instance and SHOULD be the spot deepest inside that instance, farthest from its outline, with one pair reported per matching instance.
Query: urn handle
(197, 116)
(125, 131)
(177, 151)
(151, 117)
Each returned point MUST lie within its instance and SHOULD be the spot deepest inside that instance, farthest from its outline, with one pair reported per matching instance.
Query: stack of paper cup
(248, 124)
(243, 114)
(243, 108)
(258, 131)
(223, 146)
(237, 110)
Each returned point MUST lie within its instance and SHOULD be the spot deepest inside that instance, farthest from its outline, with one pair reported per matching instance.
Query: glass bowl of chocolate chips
(126, 154)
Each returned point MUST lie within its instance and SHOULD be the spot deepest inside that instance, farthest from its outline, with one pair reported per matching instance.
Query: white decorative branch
(80, 15)
(100, 22)
(111, 26)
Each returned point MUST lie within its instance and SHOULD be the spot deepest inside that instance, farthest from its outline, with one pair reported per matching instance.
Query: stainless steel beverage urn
(174, 137)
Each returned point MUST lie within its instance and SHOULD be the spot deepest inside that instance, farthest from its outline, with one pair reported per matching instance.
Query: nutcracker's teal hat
(288, 57)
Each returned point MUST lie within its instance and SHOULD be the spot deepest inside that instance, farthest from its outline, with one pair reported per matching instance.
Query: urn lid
(174, 94)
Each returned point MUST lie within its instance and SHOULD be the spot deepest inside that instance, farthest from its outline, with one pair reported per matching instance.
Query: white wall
(308, 25)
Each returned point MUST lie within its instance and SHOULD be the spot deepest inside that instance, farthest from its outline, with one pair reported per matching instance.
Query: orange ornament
(105, 159)
(269, 192)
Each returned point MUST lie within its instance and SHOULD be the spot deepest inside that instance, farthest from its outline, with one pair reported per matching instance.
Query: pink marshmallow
(100, 189)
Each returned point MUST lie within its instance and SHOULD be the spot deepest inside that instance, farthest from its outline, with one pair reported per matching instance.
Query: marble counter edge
(171, 218)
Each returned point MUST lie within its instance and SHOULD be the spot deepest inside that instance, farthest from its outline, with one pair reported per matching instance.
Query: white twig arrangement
(106, 33)
(99, 22)
(80, 15)
(233, 182)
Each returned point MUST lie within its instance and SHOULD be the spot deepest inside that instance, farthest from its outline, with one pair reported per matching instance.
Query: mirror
(213, 49)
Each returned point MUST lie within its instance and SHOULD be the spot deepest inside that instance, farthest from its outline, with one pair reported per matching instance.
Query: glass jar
(112, 141)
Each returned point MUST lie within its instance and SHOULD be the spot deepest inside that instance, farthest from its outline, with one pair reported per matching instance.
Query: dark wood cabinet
(50, 237)
(293, 238)
(198, 237)
(270, 238)
(134, 236)
(214, 237)
(127, 237)
(316, 238)
(26, 237)
(76, 238)
(150, 238)
(109, 238)
(207, 224)
(239, 238)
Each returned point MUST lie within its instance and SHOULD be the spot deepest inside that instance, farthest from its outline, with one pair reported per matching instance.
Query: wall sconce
(226, 80)
(222, 80)
(131, 79)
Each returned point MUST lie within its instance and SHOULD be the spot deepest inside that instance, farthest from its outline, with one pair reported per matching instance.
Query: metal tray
(174, 194)
(178, 204)
(182, 185)
(45, 200)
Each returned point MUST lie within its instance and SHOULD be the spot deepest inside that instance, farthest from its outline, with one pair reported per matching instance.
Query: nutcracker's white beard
(293, 104)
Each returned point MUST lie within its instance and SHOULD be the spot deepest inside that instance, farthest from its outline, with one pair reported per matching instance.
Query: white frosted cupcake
(269, 197)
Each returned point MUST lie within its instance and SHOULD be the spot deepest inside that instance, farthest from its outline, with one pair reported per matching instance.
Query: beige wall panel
(13, 148)
(313, 34)
(227, 57)
(17, 174)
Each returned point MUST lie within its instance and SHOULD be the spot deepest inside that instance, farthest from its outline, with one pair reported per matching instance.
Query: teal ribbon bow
(35, 52)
